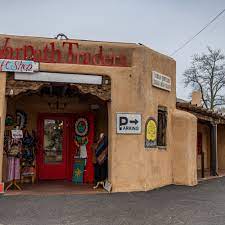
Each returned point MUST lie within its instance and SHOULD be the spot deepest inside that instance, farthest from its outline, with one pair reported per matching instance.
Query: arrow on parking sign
(134, 121)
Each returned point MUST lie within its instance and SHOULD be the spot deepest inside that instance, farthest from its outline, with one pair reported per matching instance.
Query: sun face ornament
(81, 127)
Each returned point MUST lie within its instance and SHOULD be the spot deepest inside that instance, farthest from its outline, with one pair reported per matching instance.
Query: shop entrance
(60, 125)
(58, 150)
(52, 158)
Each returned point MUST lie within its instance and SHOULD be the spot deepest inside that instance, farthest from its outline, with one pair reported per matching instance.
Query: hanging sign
(128, 123)
(21, 66)
(161, 81)
(81, 127)
(17, 134)
(150, 133)
(60, 78)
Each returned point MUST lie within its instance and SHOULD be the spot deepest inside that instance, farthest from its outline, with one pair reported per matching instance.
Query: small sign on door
(128, 123)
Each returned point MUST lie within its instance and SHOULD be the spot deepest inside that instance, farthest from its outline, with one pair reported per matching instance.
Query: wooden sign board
(161, 81)
(19, 66)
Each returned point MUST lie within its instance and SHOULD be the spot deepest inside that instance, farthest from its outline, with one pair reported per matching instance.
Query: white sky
(163, 25)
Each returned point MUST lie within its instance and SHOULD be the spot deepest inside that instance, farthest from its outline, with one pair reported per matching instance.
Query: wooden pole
(213, 149)
(203, 166)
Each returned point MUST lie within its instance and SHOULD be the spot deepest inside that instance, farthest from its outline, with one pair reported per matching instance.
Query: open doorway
(64, 122)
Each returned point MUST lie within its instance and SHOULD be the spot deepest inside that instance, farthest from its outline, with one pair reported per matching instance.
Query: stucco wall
(184, 158)
(133, 166)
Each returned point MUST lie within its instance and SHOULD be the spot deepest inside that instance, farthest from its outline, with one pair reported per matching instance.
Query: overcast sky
(163, 25)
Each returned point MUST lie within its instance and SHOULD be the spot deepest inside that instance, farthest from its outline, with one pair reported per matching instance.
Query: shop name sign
(128, 123)
(161, 81)
(61, 51)
(21, 66)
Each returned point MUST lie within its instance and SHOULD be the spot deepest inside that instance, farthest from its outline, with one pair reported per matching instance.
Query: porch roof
(201, 113)
(18, 87)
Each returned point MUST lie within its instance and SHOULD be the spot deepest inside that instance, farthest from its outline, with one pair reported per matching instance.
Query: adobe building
(63, 89)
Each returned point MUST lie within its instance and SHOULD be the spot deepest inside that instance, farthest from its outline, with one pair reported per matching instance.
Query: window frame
(164, 111)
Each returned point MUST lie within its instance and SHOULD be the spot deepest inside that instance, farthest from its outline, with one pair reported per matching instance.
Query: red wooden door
(89, 168)
(52, 152)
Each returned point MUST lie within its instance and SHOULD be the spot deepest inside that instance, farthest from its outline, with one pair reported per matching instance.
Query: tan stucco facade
(132, 167)
(184, 157)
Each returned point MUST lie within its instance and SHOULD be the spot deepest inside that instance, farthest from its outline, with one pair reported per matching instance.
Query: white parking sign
(128, 123)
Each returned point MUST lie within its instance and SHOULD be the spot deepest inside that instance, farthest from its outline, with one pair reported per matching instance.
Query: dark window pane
(162, 125)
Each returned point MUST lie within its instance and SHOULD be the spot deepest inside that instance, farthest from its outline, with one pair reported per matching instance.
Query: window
(162, 125)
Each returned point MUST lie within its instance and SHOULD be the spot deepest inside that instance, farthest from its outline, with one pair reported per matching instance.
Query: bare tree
(207, 74)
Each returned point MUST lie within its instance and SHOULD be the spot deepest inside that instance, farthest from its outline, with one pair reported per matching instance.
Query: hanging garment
(14, 150)
(83, 152)
(101, 171)
(13, 168)
(102, 150)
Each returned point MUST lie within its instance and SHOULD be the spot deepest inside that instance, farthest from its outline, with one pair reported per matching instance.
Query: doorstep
(55, 188)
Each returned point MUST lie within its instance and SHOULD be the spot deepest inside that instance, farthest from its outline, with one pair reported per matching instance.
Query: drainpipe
(213, 149)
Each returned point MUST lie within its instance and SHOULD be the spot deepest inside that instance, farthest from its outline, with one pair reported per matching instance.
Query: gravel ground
(200, 205)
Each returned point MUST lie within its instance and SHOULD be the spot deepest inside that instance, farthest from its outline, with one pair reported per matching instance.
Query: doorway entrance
(57, 117)
(52, 153)
(58, 150)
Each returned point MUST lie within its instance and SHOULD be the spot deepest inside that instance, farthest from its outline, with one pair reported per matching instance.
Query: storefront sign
(24, 66)
(128, 123)
(150, 133)
(60, 78)
(161, 81)
(61, 51)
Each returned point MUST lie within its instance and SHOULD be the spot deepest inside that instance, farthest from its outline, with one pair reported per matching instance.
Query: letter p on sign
(123, 121)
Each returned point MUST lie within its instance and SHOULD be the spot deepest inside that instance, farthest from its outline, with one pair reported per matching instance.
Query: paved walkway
(55, 188)
(201, 205)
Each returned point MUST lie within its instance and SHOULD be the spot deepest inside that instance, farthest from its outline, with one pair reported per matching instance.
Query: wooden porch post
(2, 121)
(213, 149)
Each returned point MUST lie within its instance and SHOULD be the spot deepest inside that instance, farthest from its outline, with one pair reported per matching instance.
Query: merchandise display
(101, 160)
(14, 152)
